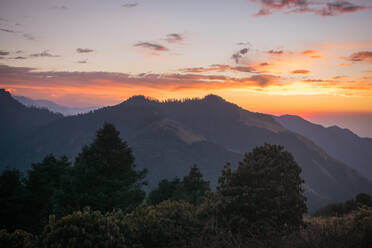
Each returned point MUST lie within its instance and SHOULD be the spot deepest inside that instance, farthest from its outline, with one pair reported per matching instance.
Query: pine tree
(105, 173)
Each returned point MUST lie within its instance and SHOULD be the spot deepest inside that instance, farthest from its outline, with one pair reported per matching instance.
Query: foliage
(263, 193)
(82, 230)
(340, 209)
(12, 200)
(42, 183)
(191, 189)
(168, 224)
(105, 174)
(16, 239)
(349, 231)
(166, 190)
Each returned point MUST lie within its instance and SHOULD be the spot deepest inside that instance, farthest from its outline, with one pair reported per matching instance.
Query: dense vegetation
(98, 201)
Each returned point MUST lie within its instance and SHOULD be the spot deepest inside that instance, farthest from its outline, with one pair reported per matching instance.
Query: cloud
(244, 44)
(307, 52)
(26, 77)
(361, 56)
(84, 50)
(239, 54)
(219, 68)
(174, 38)
(339, 7)
(28, 36)
(24, 35)
(275, 52)
(302, 71)
(45, 53)
(3, 53)
(19, 57)
(8, 30)
(60, 7)
(321, 8)
(151, 46)
(130, 5)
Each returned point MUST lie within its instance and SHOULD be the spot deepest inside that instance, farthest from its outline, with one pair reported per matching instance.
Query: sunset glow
(266, 56)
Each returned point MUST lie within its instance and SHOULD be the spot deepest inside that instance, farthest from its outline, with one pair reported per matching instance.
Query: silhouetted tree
(42, 183)
(264, 191)
(193, 186)
(12, 200)
(105, 174)
(191, 189)
(166, 190)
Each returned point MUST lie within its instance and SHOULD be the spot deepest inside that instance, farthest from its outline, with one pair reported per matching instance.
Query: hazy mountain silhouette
(52, 106)
(169, 137)
(340, 143)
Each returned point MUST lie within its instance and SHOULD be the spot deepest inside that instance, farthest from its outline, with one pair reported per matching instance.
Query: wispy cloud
(361, 56)
(237, 56)
(130, 5)
(219, 68)
(3, 53)
(321, 8)
(8, 30)
(174, 38)
(45, 53)
(84, 50)
(27, 36)
(301, 71)
(60, 7)
(151, 46)
(275, 52)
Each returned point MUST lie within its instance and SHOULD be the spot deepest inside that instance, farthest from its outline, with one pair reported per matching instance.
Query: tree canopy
(105, 173)
(265, 188)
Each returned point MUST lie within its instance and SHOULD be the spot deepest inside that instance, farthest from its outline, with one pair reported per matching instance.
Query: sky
(311, 58)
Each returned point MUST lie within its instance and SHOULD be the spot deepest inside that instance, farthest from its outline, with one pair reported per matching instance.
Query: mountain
(53, 107)
(169, 137)
(340, 143)
(17, 122)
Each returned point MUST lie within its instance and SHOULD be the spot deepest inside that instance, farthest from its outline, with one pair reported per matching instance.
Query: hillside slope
(341, 144)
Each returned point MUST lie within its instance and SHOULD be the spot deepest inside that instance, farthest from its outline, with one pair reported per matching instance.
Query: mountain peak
(213, 98)
(139, 99)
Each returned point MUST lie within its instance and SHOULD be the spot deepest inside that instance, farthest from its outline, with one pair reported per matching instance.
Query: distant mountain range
(340, 143)
(169, 137)
(53, 107)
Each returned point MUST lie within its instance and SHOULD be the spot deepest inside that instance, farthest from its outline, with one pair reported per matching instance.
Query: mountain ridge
(168, 137)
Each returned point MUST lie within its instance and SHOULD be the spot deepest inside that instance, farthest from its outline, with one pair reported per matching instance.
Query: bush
(349, 231)
(168, 224)
(17, 239)
(82, 229)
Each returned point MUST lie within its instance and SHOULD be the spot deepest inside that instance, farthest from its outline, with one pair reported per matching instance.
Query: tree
(194, 187)
(166, 190)
(191, 189)
(105, 174)
(12, 200)
(43, 181)
(264, 191)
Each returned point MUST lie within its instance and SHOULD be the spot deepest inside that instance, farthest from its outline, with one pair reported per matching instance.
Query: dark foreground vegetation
(99, 201)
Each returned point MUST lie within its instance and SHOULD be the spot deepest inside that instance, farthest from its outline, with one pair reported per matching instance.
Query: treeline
(99, 201)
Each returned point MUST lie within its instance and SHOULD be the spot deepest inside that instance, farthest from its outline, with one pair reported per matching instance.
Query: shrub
(168, 224)
(16, 239)
(82, 229)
